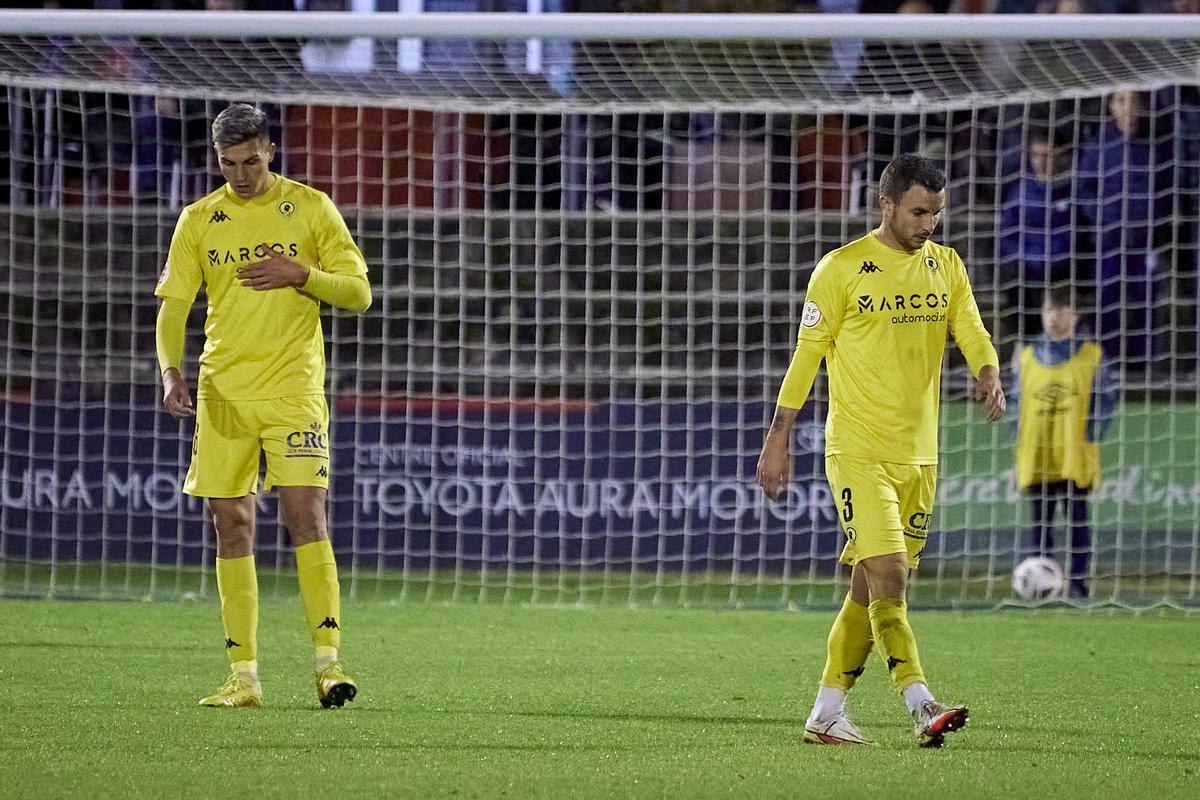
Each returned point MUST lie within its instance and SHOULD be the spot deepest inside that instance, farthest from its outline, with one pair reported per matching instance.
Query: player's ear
(270, 153)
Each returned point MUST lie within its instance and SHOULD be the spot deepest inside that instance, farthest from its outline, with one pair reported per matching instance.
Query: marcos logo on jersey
(242, 255)
(903, 302)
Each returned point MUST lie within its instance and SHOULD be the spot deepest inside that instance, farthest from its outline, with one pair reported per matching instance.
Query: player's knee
(234, 522)
(887, 576)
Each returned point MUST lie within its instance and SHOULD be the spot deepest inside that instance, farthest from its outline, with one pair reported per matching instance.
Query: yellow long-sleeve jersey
(879, 317)
(258, 345)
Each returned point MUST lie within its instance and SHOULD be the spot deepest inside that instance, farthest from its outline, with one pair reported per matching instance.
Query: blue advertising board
(453, 483)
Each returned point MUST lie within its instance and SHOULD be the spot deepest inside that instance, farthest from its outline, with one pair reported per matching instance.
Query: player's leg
(847, 650)
(304, 515)
(303, 509)
(1081, 541)
(297, 446)
(916, 488)
(1041, 528)
(864, 499)
(237, 585)
(224, 469)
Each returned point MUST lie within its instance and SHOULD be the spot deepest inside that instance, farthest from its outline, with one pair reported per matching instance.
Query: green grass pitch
(465, 701)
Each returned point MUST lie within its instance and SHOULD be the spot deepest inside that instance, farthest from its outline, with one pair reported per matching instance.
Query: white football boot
(839, 730)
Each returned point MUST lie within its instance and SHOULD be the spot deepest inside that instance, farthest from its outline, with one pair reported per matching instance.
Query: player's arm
(1013, 398)
(277, 271)
(1103, 405)
(975, 343)
(169, 331)
(177, 286)
(339, 278)
(820, 321)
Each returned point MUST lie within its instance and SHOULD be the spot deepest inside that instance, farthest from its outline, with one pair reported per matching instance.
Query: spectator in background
(1128, 168)
(1064, 398)
(174, 159)
(1043, 224)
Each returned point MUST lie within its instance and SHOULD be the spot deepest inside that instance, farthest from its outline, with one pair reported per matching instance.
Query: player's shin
(237, 584)
(317, 572)
(889, 624)
(848, 648)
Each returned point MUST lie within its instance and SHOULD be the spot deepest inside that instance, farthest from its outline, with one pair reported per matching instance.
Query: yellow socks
(237, 584)
(889, 623)
(849, 646)
(319, 590)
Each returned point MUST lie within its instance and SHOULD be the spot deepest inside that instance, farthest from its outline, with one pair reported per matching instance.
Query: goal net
(589, 240)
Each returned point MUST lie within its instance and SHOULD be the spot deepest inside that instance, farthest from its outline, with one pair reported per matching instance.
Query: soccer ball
(1038, 578)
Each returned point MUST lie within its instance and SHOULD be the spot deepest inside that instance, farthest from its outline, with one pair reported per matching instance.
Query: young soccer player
(1065, 398)
(269, 251)
(878, 311)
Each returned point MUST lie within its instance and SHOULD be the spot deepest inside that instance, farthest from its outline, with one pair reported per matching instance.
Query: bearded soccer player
(878, 311)
(269, 251)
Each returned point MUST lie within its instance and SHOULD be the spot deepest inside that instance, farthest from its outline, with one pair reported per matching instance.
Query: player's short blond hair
(239, 122)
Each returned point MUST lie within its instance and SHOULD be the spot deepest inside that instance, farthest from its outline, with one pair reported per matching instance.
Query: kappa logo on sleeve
(811, 315)
(166, 273)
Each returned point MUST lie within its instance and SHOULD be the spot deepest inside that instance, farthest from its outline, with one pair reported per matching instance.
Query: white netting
(588, 260)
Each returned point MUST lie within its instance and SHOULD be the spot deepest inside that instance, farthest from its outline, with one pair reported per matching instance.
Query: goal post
(589, 238)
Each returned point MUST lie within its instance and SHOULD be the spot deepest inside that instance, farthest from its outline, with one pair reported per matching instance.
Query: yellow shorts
(884, 508)
(231, 435)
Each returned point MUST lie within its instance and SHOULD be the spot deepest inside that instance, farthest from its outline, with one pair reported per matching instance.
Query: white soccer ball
(1038, 578)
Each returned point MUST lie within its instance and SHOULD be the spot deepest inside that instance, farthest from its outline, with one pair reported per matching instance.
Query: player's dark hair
(906, 171)
(238, 123)
(1055, 137)
(1065, 295)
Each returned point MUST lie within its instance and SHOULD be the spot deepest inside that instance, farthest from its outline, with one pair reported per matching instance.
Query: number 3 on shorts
(847, 506)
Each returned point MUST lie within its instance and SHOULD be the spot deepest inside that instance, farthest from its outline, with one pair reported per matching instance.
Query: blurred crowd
(1102, 191)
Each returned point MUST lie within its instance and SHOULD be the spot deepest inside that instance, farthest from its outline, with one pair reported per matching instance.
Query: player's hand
(989, 392)
(176, 396)
(774, 466)
(275, 271)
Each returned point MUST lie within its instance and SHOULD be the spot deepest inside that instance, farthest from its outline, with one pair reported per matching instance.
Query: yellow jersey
(258, 345)
(1052, 441)
(880, 318)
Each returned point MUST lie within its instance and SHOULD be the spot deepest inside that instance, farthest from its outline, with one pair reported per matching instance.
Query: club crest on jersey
(811, 315)
(932, 263)
(287, 208)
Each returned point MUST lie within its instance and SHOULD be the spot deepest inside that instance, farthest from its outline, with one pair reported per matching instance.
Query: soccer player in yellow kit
(269, 251)
(878, 311)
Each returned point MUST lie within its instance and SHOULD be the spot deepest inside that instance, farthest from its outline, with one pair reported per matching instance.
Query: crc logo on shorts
(312, 442)
(811, 315)
(919, 522)
(851, 534)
